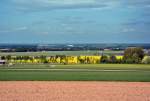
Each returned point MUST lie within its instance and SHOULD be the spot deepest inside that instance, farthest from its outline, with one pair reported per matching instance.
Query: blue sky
(74, 21)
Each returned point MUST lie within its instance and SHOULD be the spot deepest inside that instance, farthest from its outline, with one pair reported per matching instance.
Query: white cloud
(20, 28)
(36, 5)
(136, 3)
(55, 2)
(4, 31)
(128, 30)
(69, 2)
(14, 29)
(62, 4)
(43, 33)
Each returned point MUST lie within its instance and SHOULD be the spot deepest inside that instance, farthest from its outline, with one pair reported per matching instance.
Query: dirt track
(74, 91)
(86, 70)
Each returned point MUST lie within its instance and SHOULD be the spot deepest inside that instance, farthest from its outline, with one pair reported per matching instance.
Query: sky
(75, 21)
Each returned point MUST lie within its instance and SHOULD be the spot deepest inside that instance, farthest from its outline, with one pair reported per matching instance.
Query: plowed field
(74, 91)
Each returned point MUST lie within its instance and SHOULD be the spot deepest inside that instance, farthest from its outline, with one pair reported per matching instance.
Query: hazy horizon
(73, 43)
(74, 21)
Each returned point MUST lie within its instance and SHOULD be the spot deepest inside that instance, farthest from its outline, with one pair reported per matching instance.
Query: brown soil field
(74, 91)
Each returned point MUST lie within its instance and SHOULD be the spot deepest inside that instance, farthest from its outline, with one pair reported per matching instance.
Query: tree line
(134, 55)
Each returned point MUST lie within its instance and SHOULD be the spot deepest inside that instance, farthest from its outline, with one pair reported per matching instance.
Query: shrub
(104, 59)
(146, 60)
(113, 59)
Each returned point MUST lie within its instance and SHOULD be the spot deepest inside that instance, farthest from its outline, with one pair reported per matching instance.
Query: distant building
(2, 62)
(107, 49)
(147, 51)
(5, 50)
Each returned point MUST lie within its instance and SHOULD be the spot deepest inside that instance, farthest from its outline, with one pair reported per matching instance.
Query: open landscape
(74, 50)
(85, 75)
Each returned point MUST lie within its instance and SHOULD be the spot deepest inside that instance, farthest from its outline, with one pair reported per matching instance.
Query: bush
(45, 61)
(146, 60)
(104, 59)
(113, 59)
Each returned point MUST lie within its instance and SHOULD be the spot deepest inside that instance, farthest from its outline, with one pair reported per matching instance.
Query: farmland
(74, 91)
(75, 66)
(85, 72)
(53, 53)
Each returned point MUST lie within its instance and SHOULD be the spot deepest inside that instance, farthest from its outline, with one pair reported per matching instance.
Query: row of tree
(132, 55)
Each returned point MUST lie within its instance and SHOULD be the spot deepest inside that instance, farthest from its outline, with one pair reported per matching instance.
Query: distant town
(68, 47)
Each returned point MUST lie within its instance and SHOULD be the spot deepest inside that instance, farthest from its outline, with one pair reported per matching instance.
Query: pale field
(74, 91)
(68, 53)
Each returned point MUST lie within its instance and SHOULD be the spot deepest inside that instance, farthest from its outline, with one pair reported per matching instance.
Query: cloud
(4, 31)
(137, 3)
(46, 5)
(14, 29)
(20, 28)
(43, 33)
(137, 23)
(36, 5)
(125, 30)
(40, 5)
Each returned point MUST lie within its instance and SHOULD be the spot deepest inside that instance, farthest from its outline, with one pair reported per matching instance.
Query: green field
(85, 72)
(53, 53)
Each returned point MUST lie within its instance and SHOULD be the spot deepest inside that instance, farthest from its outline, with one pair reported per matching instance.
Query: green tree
(3, 57)
(8, 57)
(43, 59)
(133, 55)
(113, 59)
(104, 59)
(81, 60)
(63, 59)
(26, 57)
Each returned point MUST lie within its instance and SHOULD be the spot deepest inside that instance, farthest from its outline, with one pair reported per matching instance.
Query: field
(85, 72)
(49, 82)
(74, 91)
(53, 53)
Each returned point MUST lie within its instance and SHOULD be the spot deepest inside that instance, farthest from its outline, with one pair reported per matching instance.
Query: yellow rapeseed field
(66, 59)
